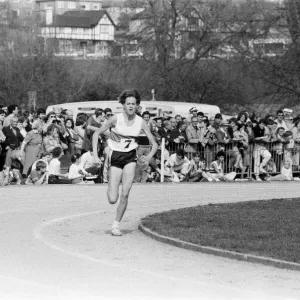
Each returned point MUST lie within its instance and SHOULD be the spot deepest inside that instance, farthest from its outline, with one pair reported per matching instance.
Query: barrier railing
(245, 161)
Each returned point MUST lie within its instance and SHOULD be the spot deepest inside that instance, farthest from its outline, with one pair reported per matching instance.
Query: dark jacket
(12, 140)
(165, 134)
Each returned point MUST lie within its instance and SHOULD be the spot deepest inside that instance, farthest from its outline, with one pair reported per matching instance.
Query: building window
(72, 5)
(104, 29)
(15, 13)
(96, 6)
(84, 5)
(65, 45)
(60, 4)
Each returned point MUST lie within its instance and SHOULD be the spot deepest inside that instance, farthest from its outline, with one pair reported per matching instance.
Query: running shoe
(258, 178)
(115, 231)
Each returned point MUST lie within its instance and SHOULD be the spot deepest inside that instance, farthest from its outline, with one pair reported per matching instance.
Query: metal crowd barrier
(244, 161)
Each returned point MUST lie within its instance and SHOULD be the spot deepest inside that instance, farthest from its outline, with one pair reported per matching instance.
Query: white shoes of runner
(115, 231)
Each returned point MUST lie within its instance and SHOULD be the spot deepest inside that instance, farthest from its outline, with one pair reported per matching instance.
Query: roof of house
(80, 18)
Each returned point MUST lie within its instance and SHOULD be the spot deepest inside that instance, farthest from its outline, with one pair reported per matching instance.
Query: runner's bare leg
(127, 181)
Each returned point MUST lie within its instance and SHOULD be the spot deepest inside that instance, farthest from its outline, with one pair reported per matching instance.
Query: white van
(156, 108)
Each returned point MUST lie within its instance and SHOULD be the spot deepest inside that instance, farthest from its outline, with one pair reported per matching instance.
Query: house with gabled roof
(80, 33)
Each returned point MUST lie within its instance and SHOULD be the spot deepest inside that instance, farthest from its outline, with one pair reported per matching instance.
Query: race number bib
(126, 143)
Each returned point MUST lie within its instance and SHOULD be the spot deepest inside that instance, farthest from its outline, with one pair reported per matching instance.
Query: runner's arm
(151, 138)
(111, 122)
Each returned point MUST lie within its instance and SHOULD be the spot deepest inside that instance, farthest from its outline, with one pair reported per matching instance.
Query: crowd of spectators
(56, 148)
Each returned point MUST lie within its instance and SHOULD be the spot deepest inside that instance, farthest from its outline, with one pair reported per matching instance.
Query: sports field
(55, 244)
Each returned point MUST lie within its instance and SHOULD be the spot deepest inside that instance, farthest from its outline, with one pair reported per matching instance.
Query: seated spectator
(178, 165)
(151, 174)
(44, 157)
(51, 140)
(39, 175)
(77, 173)
(5, 176)
(216, 169)
(15, 169)
(285, 173)
(88, 163)
(55, 174)
(198, 169)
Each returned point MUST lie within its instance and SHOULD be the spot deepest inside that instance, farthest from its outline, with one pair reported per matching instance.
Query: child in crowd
(217, 169)
(198, 169)
(151, 174)
(44, 157)
(5, 176)
(77, 173)
(15, 168)
(285, 173)
(55, 175)
(10, 174)
(39, 175)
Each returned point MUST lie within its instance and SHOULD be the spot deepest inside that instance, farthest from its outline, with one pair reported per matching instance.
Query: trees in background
(194, 51)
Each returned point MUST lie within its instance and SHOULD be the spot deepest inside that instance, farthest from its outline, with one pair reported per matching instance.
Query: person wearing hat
(193, 113)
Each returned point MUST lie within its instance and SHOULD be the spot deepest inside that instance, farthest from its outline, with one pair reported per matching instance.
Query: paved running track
(55, 244)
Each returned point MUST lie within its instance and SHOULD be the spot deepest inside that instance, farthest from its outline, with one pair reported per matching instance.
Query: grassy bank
(269, 228)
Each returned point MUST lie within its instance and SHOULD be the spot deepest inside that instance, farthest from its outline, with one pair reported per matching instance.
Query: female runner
(124, 130)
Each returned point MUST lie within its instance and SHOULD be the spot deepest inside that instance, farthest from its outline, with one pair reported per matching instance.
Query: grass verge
(268, 228)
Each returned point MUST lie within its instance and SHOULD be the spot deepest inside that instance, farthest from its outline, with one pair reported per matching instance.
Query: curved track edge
(282, 264)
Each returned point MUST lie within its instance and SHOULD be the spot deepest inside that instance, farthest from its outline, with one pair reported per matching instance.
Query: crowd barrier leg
(162, 163)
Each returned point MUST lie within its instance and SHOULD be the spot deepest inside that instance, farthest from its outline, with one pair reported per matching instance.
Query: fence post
(162, 163)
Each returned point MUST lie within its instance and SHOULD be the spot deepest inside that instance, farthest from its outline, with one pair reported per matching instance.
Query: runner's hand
(97, 160)
(145, 159)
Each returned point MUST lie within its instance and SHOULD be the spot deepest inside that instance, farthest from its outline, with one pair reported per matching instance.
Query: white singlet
(122, 136)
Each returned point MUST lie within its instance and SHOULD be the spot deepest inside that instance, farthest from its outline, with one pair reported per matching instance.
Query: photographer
(52, 118)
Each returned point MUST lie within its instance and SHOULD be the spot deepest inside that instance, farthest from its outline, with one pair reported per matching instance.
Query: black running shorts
(121, 159)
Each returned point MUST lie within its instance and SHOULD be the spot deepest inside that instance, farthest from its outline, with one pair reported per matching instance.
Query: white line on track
(38, 234)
